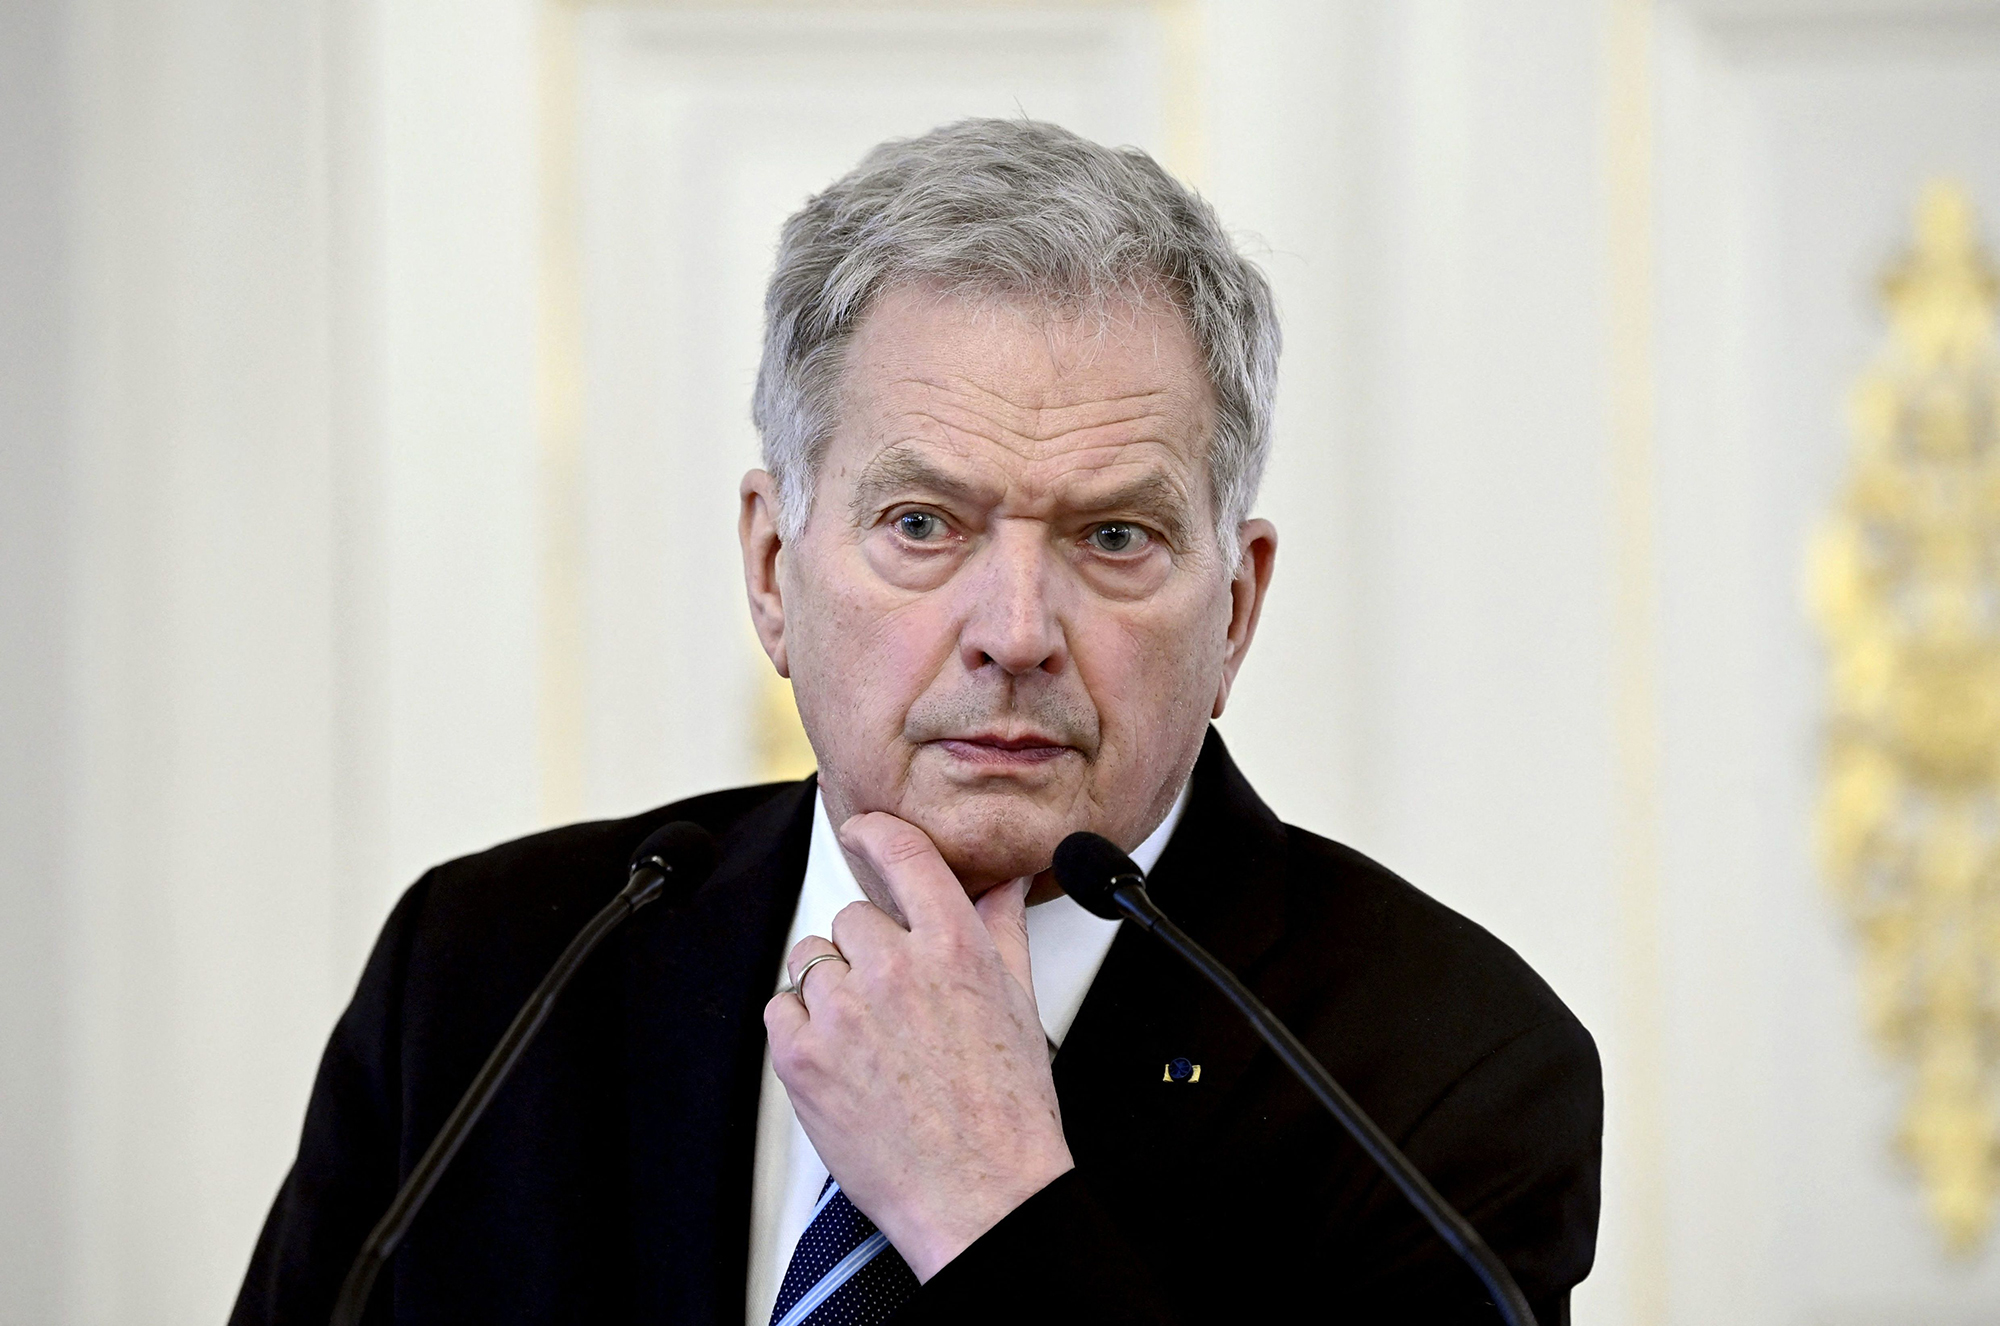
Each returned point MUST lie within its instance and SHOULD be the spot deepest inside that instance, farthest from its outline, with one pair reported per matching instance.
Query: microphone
(681, 852)
(1105, 882)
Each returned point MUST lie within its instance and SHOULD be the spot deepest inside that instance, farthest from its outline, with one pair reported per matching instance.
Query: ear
(1259, 541)
(757, 531)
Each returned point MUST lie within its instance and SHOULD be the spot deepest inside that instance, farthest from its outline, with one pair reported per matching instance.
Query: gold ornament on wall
(1906, 584)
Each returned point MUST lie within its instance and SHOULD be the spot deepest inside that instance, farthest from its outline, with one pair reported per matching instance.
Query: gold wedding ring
(799, 985)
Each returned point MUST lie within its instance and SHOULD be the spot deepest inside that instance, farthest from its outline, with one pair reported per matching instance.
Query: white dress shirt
(1066, 944)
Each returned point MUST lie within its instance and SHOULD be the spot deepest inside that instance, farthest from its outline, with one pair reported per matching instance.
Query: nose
(1011, 619)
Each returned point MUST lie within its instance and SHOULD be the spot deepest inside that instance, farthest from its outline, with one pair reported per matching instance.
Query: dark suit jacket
(610, 1181)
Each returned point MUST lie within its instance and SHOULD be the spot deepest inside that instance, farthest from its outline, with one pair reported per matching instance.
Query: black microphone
(681, 852)
(1106, 883)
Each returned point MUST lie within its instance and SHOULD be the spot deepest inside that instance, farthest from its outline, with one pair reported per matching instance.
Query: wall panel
(1793, 149)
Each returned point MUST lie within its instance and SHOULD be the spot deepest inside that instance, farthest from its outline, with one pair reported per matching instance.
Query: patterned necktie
(844, 1273)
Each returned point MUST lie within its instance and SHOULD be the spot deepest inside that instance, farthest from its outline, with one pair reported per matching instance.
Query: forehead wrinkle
(1021, 430)
(1040, 420)
(1031, 450)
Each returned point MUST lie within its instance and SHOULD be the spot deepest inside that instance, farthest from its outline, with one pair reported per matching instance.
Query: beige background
(373, 386)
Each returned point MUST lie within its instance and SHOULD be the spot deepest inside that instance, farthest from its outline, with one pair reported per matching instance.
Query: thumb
(1003, 910)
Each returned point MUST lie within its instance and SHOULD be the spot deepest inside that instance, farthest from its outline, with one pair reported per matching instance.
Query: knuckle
(791, 1059)
(891, 967)
(904, 844)
(952, 947)
(840, 1013)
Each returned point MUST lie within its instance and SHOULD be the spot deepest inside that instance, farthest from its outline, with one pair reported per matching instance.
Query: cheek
(865, 655)
(1151, 670)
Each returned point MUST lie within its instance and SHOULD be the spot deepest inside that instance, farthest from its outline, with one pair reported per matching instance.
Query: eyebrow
(1153, 495)
(901, 469)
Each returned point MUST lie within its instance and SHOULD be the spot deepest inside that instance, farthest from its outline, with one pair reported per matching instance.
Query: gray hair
(1014, 207)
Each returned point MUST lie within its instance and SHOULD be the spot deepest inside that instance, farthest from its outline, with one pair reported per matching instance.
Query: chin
(981, 865)
(984, 849)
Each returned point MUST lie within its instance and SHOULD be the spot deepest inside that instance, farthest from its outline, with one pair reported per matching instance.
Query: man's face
(1007, 617)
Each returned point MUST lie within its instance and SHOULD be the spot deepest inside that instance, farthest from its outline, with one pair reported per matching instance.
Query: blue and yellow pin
(1181, 1070)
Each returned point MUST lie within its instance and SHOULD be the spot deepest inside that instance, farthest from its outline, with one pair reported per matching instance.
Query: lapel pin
(1181, 1070)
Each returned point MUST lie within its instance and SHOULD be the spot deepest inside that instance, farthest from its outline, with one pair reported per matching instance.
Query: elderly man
(1015, 398)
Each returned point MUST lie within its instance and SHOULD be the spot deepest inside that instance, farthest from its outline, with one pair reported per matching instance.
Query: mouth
(995, 751)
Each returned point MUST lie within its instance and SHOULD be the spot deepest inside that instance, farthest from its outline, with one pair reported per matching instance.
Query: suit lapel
(1221, 878)
(695, 992)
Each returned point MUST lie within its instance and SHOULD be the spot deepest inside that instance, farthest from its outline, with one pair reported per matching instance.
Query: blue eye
(919, 526)
(1116, 537)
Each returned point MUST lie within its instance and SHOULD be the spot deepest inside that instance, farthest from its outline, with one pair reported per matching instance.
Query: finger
(907, 862)
(805, 951)
(861, 930)
(785, 1017)
(811, 977)
(1003, 909)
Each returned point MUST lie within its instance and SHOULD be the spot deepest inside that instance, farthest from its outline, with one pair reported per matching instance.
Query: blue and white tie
(844, 1273)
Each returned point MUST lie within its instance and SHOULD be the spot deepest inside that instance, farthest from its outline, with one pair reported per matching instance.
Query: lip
(993, 749)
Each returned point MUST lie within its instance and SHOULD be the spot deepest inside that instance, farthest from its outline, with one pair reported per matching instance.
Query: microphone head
(1090, 869)
(681, 849)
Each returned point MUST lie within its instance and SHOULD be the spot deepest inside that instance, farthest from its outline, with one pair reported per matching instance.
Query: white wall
(1433, 685)
(292, 540)
(282, 526)
(34, 482)
(456, 536)
(1433, 682)
(201, 543)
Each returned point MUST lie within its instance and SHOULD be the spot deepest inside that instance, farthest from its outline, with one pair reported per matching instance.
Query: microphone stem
(1452, 1227)
(644, 886)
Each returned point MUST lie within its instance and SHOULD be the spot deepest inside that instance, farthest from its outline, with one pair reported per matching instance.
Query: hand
(918, 1067)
